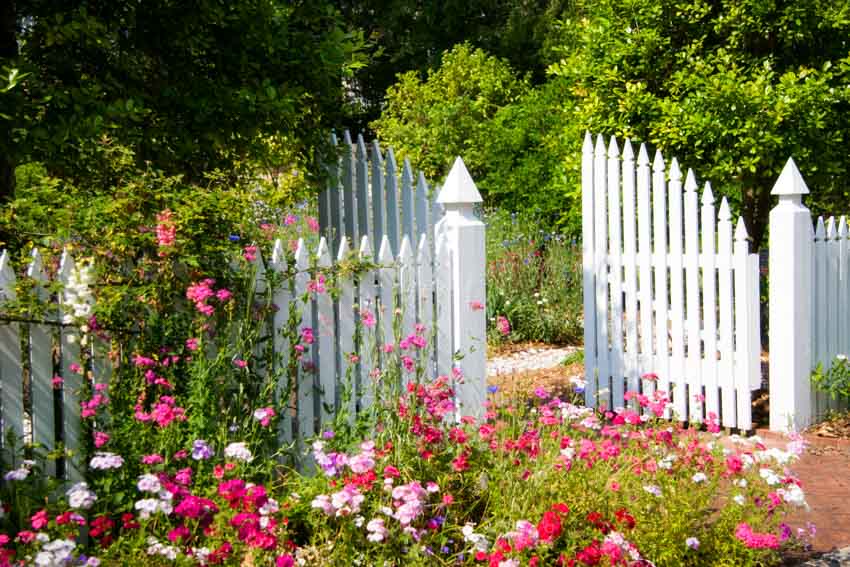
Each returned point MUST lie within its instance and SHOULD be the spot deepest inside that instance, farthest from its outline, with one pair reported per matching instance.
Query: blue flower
(234, 238)
(492, 389)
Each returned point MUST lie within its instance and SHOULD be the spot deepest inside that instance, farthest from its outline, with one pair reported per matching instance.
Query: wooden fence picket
(378, 225)
(630, 268)
(282, 298)
(444, 349)
(616, 277)
(306, 371)
(646, 308)
(391, 189)
(598, 387)
(325, 356)
(362, 196)
(386, 305)
(11, 369)
(407, 228)
(369, 340)
(347, 332)
(694, 323)
(349, 207)
(677, 371)
(588, 262)
(659, 261)
(724, 280)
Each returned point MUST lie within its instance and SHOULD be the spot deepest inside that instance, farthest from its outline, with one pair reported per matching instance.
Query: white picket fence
(364, 197)
(809, 303)
(667, 289)
(443, 292)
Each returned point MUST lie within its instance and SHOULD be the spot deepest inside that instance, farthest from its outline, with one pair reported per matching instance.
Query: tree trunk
(8, 53)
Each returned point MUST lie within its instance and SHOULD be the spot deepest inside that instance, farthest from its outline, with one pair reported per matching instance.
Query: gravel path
(535, 358)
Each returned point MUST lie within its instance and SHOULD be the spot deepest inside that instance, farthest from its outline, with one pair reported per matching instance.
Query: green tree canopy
(189, 86)
(731, 88)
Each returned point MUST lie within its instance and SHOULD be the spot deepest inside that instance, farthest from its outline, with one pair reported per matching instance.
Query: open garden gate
(671, 294)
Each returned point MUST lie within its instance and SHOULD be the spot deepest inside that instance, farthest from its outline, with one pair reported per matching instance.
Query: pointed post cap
(790, 181)
(459, 187)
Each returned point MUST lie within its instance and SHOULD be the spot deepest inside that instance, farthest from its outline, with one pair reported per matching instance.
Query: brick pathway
(825, 472)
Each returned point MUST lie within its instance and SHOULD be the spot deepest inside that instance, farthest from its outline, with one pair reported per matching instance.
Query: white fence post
(790, 303)
(464, 235)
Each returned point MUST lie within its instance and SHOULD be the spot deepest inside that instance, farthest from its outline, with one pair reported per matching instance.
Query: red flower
(549, 527)
(625, 518)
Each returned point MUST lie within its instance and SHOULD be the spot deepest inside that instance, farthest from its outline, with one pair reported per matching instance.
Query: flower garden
(183, 464)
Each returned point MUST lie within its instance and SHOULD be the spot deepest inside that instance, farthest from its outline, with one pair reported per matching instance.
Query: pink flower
(264, 415)
(755, 540)
(40, 519)
(100, 439)
(153, 459)
(307, 335)
(367, 318)
(408, 363)
(76, 368)
(313, 224)
(166, 231)
(249, 253)
(503, 325)
(223, 295)
(57, 382)
(476, 305)
(192, 344)
(317, 285)
(290, 220)
(239, 363)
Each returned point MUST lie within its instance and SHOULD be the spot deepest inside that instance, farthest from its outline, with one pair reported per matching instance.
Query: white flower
(476, 539)
(739, 499)
(78, 298)
(770, 477)
(149, 483)
(793, 495)
(150, 506)
(741, 482)
(699, 477)
(238, 451)
(17, 474)
(652, 489)
(80, 497)
(103, 461)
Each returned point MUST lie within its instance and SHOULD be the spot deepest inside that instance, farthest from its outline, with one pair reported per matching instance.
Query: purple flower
(201, 450)
(328, 434)
(692, 542)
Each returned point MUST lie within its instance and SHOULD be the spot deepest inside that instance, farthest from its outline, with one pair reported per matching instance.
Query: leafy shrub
(835, 382)
(533, 281)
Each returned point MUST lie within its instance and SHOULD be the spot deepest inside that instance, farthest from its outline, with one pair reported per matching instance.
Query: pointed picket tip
(278, 255)
(643, 157)
(365, 248)
(346, 137)
(385, 254)
(376, 152)
(405, 252)
(842, 227)
(407, 172)
(423, 253)
(675, 172)
(344, 250)
(302, 260)
(391, 164)
(361, 147)
(66, 265)
(707, 195)
(323, 254)
(599, 150)
(830, 228)
(741, 230)
(658, 162)
(628, 153)
(613, 148)
(7, 278)
(790, 181)
(35, 270)
(333, 139)
(587, 146)
(459, 187)
(820, 231)
(724, 214)
(690, 181)
(421, 183)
